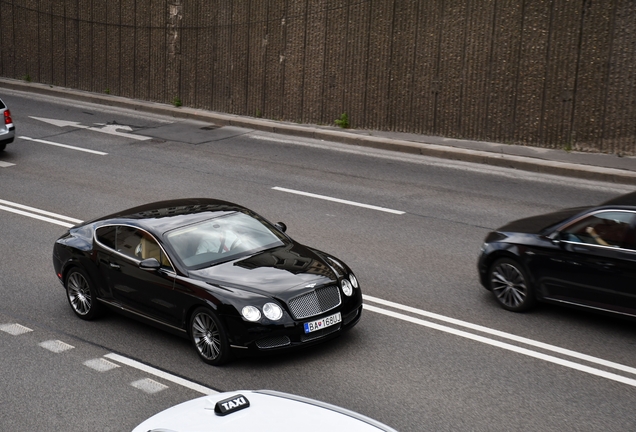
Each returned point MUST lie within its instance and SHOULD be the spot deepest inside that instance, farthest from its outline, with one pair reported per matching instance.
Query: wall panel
(549, 73)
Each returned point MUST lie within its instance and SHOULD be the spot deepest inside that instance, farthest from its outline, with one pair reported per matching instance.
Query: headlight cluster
(271, 311)
(349, 284)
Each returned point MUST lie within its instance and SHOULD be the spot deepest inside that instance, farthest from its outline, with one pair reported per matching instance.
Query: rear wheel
(208, 337)
(81, 294)
(510, 285)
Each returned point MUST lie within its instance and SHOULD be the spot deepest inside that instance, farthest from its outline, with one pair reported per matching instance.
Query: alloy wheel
(79, 293)
(508, 284)
(206, 336)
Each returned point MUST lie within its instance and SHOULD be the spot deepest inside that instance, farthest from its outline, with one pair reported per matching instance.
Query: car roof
(162, 216)
(259, 410)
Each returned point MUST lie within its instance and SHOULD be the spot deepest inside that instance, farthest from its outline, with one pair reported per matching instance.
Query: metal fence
(547, 73)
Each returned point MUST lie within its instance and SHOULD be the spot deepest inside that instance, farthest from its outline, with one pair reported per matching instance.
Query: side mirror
(556, 238)
(150, 264)
(281, 226)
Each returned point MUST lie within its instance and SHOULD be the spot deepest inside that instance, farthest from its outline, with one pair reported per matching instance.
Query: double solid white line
(36, 213)
(504, 345)
(387, 311)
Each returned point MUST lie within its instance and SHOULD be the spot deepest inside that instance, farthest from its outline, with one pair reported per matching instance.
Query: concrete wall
(547, 73)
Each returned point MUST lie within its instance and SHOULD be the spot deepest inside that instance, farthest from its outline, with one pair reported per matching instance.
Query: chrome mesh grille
(273, 342)
(316, 302)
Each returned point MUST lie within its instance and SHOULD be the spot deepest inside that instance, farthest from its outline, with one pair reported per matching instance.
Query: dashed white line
(149, 386)
(14, 329)
(100, 364)
(64, 146)
(161, 374)
(338, 200)
(4, 164)
(57, 346)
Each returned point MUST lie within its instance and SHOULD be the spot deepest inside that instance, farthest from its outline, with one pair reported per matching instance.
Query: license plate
(322, 323)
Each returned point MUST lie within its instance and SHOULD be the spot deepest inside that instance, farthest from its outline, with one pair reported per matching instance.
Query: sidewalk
(589, 166)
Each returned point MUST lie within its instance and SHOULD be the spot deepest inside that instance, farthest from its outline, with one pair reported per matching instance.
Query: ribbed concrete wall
(548, 73)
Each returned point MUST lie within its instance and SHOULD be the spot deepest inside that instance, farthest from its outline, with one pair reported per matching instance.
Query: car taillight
(7, 117)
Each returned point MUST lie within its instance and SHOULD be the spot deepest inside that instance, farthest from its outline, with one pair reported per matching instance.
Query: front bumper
(254, 338)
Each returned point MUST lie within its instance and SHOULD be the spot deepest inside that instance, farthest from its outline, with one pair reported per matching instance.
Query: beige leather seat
(150, 249)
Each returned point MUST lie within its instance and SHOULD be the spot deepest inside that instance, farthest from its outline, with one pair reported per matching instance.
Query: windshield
(222, 239)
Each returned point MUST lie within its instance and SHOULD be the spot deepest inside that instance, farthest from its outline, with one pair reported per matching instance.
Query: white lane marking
(59, 123)
(504, 335)
(57, 346)
(34, 216)
(36, 210)
(506, 346)
(338, 200)
(112, 129)
(4, 164)
(161, 374)
(65, 146)
(148, 385)
(490, 170)
(454, 321)
(100, 364)
(14, 329)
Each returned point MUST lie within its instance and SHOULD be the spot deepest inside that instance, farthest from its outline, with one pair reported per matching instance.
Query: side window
(132, 242)
(128, 241)
(610, 228)
(106, 236)
(145, 246)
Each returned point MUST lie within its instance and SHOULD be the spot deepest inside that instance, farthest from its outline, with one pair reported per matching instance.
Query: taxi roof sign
(231, 404)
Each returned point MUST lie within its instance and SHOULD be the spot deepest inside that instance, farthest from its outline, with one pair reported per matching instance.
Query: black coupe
(584, 257)
(210, 270)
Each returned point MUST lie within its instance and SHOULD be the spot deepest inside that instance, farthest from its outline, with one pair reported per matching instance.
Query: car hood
(540, 224)
(272, 272)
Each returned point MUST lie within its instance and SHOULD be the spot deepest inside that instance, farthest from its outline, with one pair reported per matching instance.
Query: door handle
(114, 265)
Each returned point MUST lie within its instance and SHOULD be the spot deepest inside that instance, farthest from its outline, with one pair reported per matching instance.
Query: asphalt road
(551, 369)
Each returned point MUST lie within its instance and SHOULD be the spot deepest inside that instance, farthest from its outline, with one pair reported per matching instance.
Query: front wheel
(81, 295)
(208, 337)
(510, 285)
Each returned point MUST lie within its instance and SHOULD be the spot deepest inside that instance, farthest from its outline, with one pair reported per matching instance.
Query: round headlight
(347, 289)
(354, 280)
(251, 313)
(272, 311)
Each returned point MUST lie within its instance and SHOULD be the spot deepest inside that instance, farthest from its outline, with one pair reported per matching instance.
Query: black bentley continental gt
(583, 257)
(212, 271)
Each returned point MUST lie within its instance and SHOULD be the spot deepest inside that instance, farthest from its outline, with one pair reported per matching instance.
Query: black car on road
(583, 257)
(210, 270)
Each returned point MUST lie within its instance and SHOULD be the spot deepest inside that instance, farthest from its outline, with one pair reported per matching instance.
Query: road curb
(524, 163)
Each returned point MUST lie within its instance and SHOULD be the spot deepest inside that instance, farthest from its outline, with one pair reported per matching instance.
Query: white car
(258, 410)
(7, 129)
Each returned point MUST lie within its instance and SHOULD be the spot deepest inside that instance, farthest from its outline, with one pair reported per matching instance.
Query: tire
(81, 294)
(2, 147)
(208, 337)
(510, 285)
